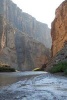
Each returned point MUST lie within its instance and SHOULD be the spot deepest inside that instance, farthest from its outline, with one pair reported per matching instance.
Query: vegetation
(65, 72)
(60, 67)
(6, 68)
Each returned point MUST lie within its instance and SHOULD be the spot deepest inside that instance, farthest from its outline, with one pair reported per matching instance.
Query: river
(9, 78)
(32, 86)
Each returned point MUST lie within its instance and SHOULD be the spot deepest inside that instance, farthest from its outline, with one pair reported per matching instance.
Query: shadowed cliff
(21, 38)
(25, 22)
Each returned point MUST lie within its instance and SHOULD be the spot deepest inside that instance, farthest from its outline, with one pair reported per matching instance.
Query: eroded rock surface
(61, 56)
(59, 28)
(25, 22)
(19, 50)
(59, 36)
(21, 38)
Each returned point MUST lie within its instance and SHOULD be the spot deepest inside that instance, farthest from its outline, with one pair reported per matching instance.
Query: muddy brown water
(10, 78)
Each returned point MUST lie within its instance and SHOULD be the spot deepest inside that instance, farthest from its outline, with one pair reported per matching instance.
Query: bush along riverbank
(60, 67)
(6, 68)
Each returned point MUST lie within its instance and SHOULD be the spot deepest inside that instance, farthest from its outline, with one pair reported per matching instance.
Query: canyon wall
(23, 40)
(59, 28)
(59, 36)
(25, 22)
(8, 53)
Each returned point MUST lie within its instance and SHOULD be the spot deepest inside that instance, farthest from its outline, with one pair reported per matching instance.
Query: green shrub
(6, 69)
(60, 67)
(65, 72)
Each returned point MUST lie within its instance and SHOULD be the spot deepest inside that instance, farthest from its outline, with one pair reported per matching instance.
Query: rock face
(59, 28)
(59, 36)
(19, 33)
(7, 43)
(61, 56)
(30, 53)
(25, 22)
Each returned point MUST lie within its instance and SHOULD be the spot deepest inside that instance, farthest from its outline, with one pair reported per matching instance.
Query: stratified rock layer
(59, 28)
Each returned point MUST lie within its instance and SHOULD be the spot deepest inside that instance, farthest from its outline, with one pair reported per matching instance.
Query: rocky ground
(41, 87)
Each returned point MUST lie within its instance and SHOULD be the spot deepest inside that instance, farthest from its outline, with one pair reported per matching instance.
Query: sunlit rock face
(21, 38)
(59, 28)
(59, 36)
(7, 43)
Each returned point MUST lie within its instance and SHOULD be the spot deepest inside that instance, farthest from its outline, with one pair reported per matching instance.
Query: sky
(42, 10)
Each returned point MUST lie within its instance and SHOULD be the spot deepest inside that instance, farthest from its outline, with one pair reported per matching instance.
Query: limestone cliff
(18, 49)
(30, 53)
(59, 28)
(59, 36)
(8, 53)
(25, 22)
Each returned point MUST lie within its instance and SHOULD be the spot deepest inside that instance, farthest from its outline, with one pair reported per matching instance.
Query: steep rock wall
(59, 36)
(25, 22)
(21, 38)
(30, 53)
(8, 53)
(59, 28)
(19, 50)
